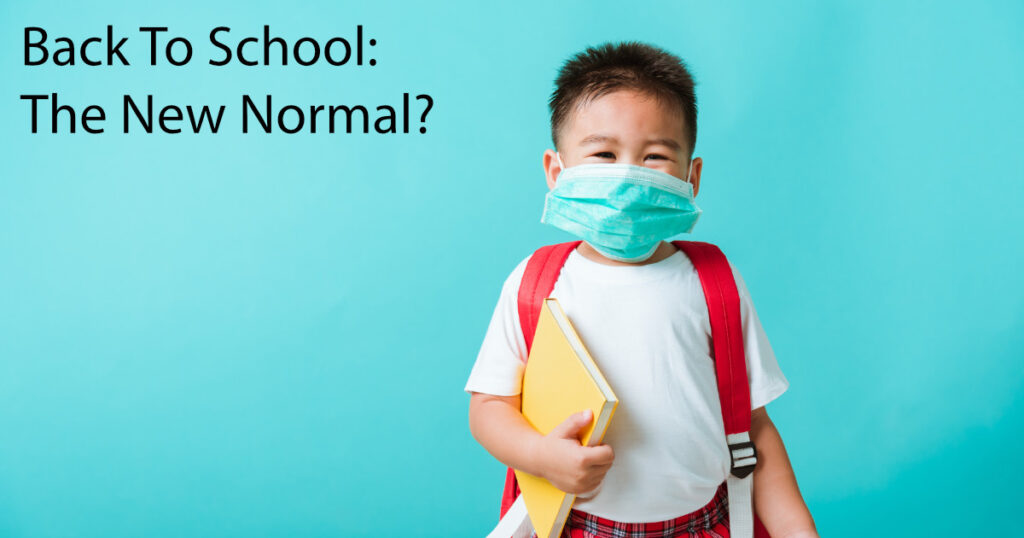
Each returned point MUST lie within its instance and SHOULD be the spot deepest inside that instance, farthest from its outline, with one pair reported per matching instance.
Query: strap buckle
(743, 455)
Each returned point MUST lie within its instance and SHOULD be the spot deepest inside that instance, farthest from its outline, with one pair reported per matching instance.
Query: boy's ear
(551, 168)
(698, 163)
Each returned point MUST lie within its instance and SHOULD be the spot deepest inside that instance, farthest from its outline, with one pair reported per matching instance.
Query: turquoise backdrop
(247, 335)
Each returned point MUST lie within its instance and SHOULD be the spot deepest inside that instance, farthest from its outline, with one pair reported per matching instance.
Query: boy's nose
(638, 161)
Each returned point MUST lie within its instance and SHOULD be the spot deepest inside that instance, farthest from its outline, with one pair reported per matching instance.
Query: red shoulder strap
(538, 280)
(723, 302)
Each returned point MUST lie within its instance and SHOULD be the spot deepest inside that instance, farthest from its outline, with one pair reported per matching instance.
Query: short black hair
(627, 65)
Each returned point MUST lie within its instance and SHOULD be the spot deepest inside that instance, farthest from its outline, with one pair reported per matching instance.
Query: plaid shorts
(711, 521)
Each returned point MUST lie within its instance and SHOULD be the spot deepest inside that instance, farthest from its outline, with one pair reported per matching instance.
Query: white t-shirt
(647, 328)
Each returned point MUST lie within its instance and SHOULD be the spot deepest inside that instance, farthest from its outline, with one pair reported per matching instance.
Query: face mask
(622, 210)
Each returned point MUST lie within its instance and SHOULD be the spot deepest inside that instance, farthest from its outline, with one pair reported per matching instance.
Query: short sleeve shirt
(647, 328)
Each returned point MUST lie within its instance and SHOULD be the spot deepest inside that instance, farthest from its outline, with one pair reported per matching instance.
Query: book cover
(561, 378)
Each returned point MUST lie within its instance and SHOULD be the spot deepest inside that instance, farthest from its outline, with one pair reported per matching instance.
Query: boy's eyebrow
(599, 138)
(670, 142)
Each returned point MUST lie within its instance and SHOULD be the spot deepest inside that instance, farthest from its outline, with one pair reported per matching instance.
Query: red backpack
(723, 303)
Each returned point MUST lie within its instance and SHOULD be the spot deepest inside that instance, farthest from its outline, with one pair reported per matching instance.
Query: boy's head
(624, 103)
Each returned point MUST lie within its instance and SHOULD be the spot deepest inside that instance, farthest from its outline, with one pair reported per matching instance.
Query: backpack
(723, 303)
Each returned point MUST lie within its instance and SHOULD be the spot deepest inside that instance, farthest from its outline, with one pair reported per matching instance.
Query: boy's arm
(777, 499)
(498, 425)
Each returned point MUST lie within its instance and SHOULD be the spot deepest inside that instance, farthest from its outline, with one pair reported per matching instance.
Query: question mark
(423, 116)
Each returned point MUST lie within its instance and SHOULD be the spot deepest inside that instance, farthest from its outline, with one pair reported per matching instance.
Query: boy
(624, 125)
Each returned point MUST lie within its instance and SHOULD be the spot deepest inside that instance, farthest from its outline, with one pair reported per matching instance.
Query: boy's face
(625, 126)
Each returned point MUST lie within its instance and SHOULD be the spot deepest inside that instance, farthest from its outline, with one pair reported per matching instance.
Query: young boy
(624, 125)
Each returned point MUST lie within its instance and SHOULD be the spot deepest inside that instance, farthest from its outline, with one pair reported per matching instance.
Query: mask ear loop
(562, 166)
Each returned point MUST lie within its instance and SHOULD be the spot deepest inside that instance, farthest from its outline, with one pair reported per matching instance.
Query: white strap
(516, 522)
(741, 507)
(741, 502)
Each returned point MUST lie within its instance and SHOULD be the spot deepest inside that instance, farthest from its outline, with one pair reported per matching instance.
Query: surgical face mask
(622, 210)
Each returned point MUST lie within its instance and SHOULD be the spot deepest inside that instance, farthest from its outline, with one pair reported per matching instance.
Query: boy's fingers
(600, 455)
(570, 427)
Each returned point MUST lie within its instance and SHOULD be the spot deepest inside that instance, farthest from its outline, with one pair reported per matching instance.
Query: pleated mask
(622, 210)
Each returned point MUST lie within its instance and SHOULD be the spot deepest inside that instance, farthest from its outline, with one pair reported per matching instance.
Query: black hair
(627, 65)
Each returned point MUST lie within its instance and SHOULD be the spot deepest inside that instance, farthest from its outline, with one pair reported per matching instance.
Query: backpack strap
(723, 300)
(723, 303)
(538, 280)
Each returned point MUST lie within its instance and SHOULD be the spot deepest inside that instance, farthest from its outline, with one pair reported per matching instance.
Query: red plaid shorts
(711, 521)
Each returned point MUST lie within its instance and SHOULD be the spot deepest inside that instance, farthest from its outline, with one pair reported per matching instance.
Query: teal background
(268, 335)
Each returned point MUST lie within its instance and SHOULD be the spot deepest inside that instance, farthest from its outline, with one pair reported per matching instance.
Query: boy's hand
(565, 463)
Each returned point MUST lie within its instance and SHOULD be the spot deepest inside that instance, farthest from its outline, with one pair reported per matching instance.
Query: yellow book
(560, 379)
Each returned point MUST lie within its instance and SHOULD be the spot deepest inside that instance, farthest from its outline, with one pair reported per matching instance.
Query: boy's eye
(610, 155)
